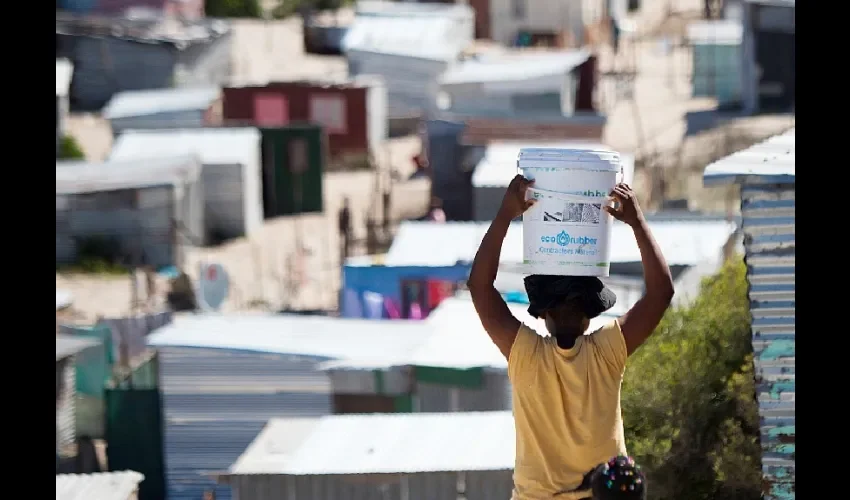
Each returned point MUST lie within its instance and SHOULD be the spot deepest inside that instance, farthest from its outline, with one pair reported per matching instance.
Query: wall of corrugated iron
(411, 82)
(139, 220)
(177, 119)
(357, 116)
(488, 485)
(769, 237)
(474, 99)
(66, 417)
(392, 381)
(449, 180)
(105, 66)
(215, 402)
(488, 199)
(495, 485)
(132, 331)
(493, 396)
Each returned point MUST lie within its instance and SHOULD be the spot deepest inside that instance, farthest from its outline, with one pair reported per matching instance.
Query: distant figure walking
(386, 199)
(344, 222)
(614, 26)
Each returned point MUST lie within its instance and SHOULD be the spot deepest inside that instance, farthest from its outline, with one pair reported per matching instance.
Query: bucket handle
(529, 193)
(540, 193)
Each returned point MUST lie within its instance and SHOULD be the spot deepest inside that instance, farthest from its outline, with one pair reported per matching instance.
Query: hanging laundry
(351, 306)
(374, 305)
(437, 291)
(416, 311)
(393, 311)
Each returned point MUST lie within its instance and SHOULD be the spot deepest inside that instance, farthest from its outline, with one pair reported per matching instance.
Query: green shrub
(96, 256)
(286, 8)
(691, 417)
(233, 8)
(70, 150)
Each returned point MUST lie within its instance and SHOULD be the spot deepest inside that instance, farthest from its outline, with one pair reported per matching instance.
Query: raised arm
(640, 321)
(492, 310)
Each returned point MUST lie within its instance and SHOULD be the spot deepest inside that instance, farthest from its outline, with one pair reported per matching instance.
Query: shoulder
(610, 345)
(528, 345)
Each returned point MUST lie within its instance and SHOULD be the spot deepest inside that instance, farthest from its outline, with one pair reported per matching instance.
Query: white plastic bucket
(566, 232)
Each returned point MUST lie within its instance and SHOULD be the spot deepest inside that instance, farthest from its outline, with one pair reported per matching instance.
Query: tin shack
(270, 364)
(164, 108)
(233, 203)
(293, 162)
(353, 113)
(114, 54)
(717, 60)
(409, 45)
(138, 212)
(436, 456)
(518, 83)
(427, 259)
(67, 347)
(64, 73)
(768, 52)
(766, 174)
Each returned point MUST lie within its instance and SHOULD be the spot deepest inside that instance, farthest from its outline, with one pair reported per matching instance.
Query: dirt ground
(294, 262)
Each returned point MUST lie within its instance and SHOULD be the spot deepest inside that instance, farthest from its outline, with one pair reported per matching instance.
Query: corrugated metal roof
(769, 231)
(768, 209)
(447, 244)
(775, 3)
(215, 402)
(63, 299)
(628, 289)
(685, 242)
(456, 339)
(715, 32)
(67, 345)
(418, 9)
(149, 102)
(513, 67)
(499, 164)
(64, 73)
(321, 337)
(211, 145)
(275, 446)
(419, 38)
(407, 30)
(144, 26)
(82, 177)
(460, 341)
(385, 444)
(99, 486)
(769, 162)
(451, 337)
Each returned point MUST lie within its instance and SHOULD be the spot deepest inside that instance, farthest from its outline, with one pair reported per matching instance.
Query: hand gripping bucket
(566, 232)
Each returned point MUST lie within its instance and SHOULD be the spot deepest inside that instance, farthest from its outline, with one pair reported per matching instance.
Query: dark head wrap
(547, 291)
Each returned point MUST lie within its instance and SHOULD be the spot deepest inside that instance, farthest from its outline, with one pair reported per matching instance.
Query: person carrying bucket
(566, 387)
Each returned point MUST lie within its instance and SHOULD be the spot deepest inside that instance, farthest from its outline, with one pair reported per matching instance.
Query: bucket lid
(590, 159)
